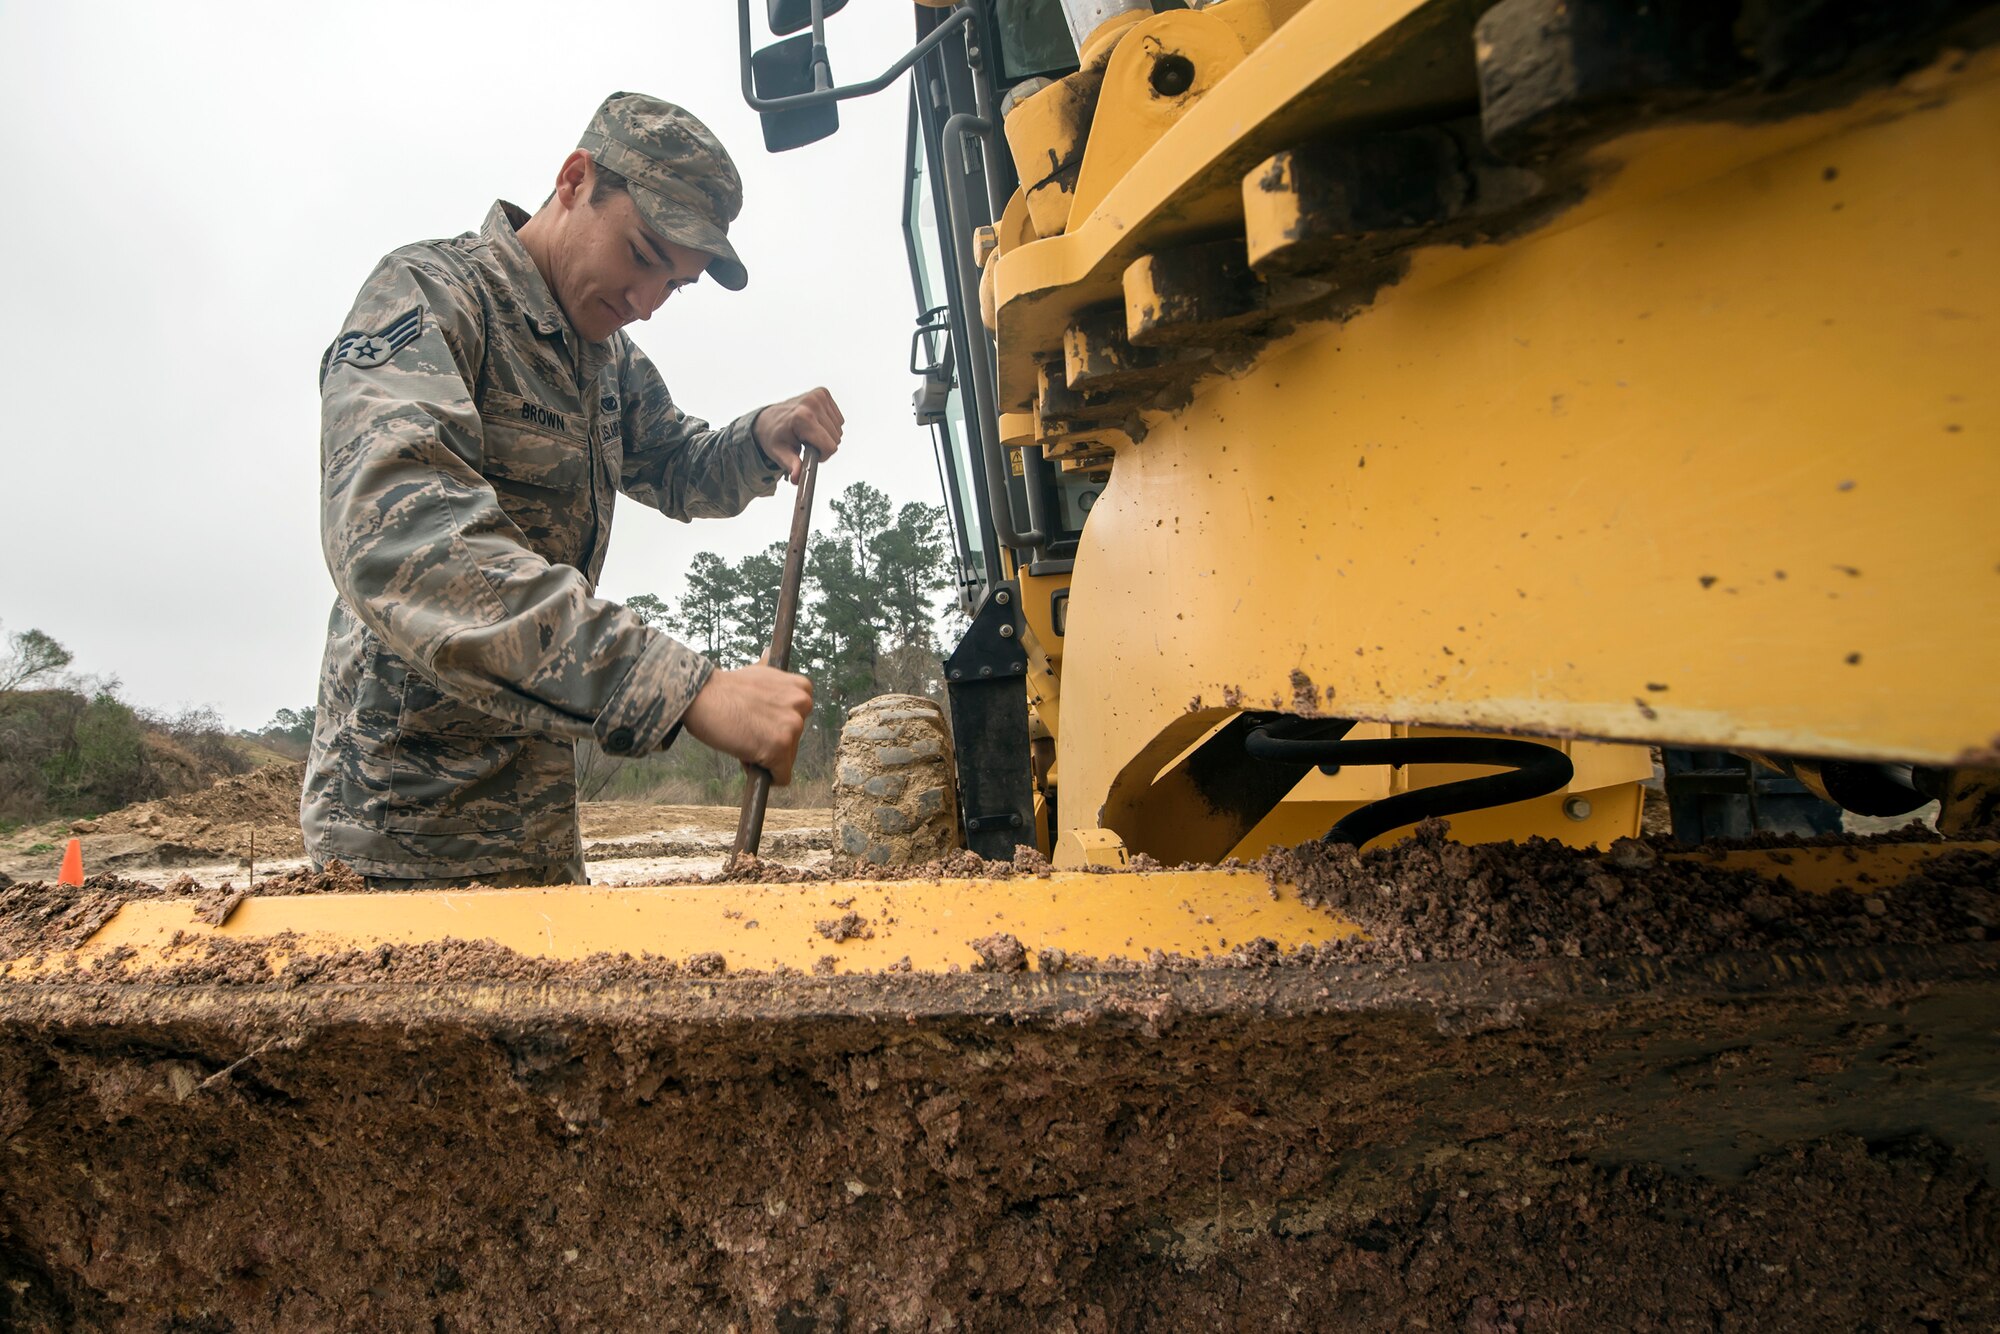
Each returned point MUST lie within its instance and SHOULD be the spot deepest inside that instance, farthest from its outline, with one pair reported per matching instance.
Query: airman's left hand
(813, 418)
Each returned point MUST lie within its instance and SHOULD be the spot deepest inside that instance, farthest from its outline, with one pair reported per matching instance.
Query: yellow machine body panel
(1601, 803)
(1705, 457)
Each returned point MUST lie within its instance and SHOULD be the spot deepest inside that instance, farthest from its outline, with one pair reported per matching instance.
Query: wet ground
(1294, 1148)
(1555, 1090)
(245, 829)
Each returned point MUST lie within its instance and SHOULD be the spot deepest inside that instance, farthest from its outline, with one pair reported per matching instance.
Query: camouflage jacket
(470, 449)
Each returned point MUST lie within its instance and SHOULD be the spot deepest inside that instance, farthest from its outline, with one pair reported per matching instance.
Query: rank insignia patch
(365, 350)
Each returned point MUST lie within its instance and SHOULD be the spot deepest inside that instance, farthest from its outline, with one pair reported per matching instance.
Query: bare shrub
(202, 733)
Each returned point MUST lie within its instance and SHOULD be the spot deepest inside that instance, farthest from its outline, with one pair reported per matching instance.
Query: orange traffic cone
(72, 867)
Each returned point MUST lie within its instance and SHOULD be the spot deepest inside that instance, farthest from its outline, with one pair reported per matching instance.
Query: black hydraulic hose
(1533, 770)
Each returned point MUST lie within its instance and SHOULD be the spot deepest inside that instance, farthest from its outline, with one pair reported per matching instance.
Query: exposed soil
(214, 834)
(1557, 1090)
(1123, 1155)
(704, 844)
(244, 815)
(634, 819)
(1429, 898)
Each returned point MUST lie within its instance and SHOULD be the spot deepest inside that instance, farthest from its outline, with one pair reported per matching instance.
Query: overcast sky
(198, 192)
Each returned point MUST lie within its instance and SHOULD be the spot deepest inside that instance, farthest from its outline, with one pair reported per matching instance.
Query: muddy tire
(895, 802)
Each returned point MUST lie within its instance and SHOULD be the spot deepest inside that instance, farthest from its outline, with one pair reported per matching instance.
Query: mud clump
(1028, 860)
(38, 916)
(707, 965)
(215, 906)
(337, 877)
(1428, 898)
(850, 925)
(1000, 953)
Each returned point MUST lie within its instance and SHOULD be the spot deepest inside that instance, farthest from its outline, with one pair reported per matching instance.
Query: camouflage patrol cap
(679, 174)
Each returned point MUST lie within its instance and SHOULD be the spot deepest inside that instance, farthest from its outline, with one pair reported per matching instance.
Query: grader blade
(1195, 1099)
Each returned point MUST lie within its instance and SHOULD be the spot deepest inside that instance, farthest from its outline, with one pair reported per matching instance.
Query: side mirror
(785, 70)
(779, 82)
(790, 16)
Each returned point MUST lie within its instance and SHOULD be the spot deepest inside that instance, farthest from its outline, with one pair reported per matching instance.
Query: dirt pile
(254, 813)
(1429, 898)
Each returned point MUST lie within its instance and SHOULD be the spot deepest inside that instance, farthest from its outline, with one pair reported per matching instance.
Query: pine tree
(753, 609)
(708, 607)
(861, 513)
(911, 567)
(867, 620)
(654, 612)
(847, 624)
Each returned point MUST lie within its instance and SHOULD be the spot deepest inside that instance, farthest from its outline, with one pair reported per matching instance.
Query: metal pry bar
(757, 790)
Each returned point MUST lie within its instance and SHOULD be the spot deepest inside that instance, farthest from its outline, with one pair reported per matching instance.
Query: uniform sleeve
(421, 551)
(680, 465)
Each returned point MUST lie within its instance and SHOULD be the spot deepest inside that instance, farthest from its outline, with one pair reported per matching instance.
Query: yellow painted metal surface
(1712, 459)
(1077, 848)
(1038, 594)
(1706, 458)
(1154, 808)
(1186, 183)
(1133, 113)
(1604, 801)
(929, 923)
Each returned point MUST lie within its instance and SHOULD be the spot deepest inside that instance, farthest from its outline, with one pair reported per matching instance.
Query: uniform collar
(518, 268)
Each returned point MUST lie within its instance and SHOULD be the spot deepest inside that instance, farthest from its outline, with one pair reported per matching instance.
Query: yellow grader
(1393, 432)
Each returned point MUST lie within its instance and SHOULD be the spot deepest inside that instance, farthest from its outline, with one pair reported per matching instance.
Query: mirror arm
(822, 75)
(822, 71)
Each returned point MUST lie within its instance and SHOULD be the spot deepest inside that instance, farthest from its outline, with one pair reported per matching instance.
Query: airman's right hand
(755, 713)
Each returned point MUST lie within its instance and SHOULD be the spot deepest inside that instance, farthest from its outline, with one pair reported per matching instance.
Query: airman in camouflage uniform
(478, 417)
